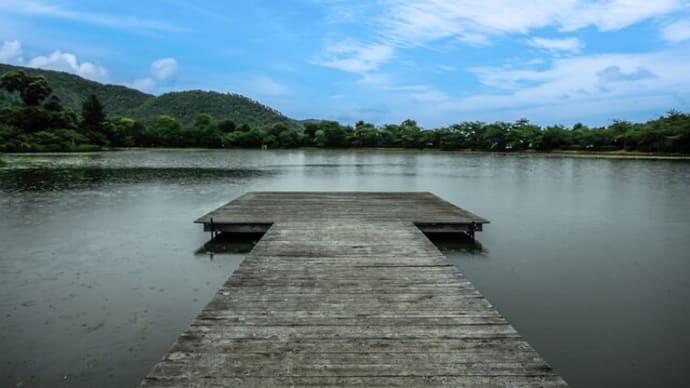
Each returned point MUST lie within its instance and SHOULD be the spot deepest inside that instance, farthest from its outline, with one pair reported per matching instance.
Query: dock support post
(472, 228)
(213, 231)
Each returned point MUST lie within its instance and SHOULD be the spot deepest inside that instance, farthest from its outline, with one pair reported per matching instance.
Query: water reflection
(229, 243)
(59, 179)
(98, 271)
(458, 243)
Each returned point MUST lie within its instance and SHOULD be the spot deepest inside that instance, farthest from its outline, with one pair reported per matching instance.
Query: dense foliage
(38, 120)
(120, 101)
(185, 106)
(73, 90)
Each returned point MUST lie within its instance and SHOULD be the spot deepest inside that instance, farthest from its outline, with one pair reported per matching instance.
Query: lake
(101, 267)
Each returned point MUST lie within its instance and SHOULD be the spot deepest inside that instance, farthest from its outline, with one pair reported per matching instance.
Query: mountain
(123, 101)
(73, 90)
(185, 106)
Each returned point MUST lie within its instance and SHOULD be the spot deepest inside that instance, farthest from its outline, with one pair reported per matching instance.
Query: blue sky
(436, 61)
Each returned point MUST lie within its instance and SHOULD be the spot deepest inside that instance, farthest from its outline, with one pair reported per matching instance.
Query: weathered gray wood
(255, 211)
(345, 290)
(359, 381)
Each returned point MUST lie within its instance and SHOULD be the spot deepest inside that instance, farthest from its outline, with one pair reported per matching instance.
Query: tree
(254, 138)
(365, 135)
(494, 136)
(555, 137)
(390, 135)
(410, 134)
(53, 104)
(309, 133)
(289, 138)
(204, 133)
(92, 114)
(203, 121)
(227, 126)
(32, 89)
(332, 134)
(276, 129)
(163, 131)
(123, 132)
(523, 135)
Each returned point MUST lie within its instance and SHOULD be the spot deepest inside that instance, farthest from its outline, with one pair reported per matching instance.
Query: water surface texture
(99, 269)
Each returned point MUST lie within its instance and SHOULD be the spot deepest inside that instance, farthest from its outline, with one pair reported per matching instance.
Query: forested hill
(126, 102)
(186, 106)
(73, 90)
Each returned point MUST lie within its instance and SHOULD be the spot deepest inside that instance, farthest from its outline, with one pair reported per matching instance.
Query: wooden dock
(344, 289)
(255, 212)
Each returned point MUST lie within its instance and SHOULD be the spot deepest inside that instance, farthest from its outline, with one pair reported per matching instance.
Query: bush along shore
(39, 123)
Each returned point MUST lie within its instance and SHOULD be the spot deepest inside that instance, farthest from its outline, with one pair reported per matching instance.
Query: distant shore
(607, 154)
(620, 154)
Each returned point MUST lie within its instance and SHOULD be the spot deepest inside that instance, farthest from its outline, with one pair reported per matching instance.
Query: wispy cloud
(404, 25)
(38, 8)
(11, 51)
(565, 44)
(164, 68)
(68, 62)
(588, 78)
(676, 32)
(595, 87)
(448, 68)
(610, 15)
(420, 93)
(477, 21)
(354, 57)
(423, 94)
(615, 74)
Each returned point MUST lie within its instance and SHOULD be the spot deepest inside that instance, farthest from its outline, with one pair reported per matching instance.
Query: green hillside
(73, 90)
(185, 106)
(122, 101)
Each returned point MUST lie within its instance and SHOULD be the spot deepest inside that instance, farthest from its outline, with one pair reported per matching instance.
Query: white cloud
(676, 32)
(164, 68)
(415, 93)
(162, 71)
(425, 94)
(37, 8)
(11, 51)
(594, 88)
(355, 57)
(584, 81)
(613, 15)
(69, 63)
(476, 21)
(565, 44)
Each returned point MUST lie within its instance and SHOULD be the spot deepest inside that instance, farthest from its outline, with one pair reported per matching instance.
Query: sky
(438, 62)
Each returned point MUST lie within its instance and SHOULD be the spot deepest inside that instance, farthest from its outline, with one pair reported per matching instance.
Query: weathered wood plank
(344, 290)
(270, 207)
(515, 381)
(342, 345)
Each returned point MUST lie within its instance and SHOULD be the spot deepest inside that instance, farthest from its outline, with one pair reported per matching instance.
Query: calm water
(588, 258)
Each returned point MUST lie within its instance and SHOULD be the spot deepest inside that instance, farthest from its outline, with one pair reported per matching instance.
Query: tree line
(40, 123)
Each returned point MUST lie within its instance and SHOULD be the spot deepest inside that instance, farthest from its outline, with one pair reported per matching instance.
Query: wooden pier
(344, 289)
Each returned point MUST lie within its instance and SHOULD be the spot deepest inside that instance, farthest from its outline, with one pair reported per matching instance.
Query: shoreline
(557, 153)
